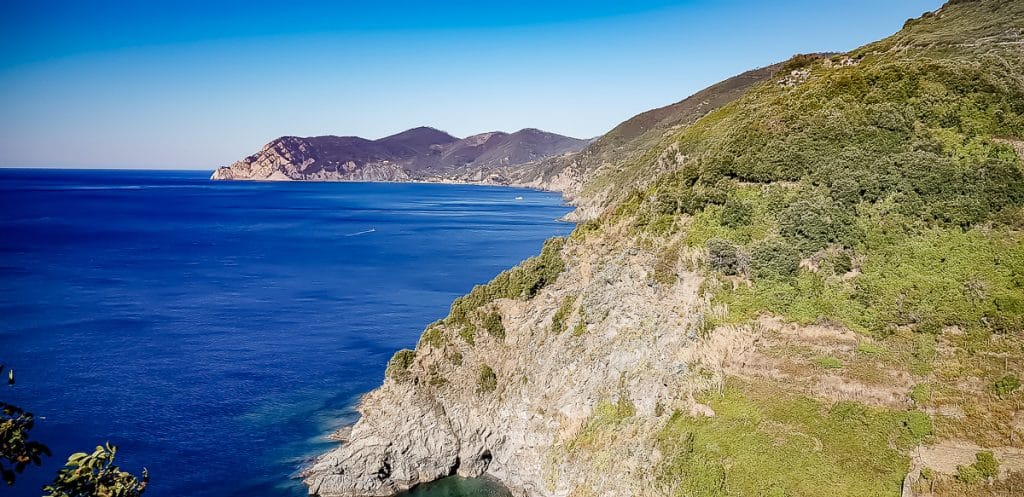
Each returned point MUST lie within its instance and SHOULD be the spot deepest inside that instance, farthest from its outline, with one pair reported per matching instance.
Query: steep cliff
(816, 288)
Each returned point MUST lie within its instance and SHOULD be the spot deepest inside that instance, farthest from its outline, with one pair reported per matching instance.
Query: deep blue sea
(216, 331)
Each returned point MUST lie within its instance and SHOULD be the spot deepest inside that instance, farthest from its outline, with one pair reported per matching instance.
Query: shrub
(398, 366)
(468, 333)
(968, 474)
(486, 381)
(493, 325)
(842, 263)
(562, 314)
(1006, 385)
(815, 221)
(736, 213)
(919, 424)
(433, 336)
(773, 258)
(986, 464)
(520, 282)
(723, 256)
(454, 357)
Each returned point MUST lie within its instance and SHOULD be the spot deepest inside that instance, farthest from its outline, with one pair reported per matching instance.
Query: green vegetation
(95, 475)
(877, 191)
(736, 213)
(581, 325)
(1006, 385)
(562, 314)
(454, 357)
(486, 381)
(774, 258)
(468, 333)
(433, 336)
(85, 475)
(829, 362)
(856, 449)
(520, 282)
(723, 256)
(985, 467)
(986, 464)
(665, 265)
(919, 424)
(921, 394)
(870, 348)
(604, 421)
(398, 366)
(493, 325)
(17, 450)
(897, 157)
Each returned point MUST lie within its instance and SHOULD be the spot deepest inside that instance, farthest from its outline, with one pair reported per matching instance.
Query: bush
(398, 366)
(986, 464)
(919, 424)
(468, 333)
(774, 258)
(968, 474)
(562, 314)
(1006, 385)
(815, 221)
(723, 256)
(494, 326)
(736, 213)
(521, 282)
(486, 381)
(433, 336)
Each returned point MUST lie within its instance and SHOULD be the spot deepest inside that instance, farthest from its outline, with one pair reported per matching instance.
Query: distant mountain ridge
(417, 154)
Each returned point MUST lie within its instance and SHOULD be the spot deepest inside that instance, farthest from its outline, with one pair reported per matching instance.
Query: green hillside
(857, 218)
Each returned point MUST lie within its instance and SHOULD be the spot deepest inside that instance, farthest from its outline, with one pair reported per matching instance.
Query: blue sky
(198, 84)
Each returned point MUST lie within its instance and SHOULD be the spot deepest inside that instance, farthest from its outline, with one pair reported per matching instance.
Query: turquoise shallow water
(216, 331)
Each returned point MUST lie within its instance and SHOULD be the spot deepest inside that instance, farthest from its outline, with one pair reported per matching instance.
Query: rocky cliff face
(587, 344)
(419, 154)
(815, 289)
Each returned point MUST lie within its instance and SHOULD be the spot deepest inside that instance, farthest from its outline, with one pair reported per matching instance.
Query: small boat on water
(519, 198)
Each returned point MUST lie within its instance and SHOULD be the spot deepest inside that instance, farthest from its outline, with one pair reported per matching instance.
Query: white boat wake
(371, 230)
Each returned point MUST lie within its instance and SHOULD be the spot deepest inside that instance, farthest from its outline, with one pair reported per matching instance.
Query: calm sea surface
(216, 331)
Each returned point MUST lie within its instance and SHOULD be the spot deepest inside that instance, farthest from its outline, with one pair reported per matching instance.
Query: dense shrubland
(878, 191)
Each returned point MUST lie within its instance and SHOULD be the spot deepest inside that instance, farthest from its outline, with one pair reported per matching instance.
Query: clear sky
(197, 84)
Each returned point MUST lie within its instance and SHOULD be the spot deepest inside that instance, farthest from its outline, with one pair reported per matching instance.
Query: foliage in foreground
(95, 475)
(85, 475)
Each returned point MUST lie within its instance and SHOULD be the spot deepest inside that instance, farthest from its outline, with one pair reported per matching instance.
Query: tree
(17, 451)
(85, 475)
(95, 475)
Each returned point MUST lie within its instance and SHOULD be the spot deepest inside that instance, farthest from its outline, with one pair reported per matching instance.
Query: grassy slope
(890, 172)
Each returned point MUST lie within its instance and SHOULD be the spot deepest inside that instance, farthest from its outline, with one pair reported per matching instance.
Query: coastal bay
(217, 331)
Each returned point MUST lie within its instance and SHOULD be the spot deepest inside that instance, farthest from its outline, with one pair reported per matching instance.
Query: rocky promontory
(420, 154)
(807, 280)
